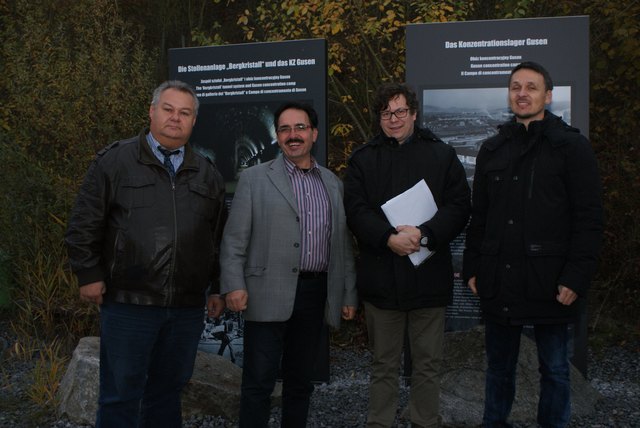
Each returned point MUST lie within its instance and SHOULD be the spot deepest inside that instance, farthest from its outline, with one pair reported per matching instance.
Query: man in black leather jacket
(143, 239)
(532, 244)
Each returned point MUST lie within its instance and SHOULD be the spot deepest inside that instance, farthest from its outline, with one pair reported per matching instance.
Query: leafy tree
(167, 24)
(615, 130)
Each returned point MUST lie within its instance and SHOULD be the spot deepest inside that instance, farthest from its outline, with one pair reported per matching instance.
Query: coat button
(509, 221)
(505, 309)
(507, 266)
(296, 245)
(294, 270)
(515, 178)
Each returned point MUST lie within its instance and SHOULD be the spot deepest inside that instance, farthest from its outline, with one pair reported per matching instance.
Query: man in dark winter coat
(397, 294)
(532, 243)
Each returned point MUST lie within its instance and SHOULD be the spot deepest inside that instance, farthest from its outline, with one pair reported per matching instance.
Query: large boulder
(462, 387)
(78, 390)
(214, 388)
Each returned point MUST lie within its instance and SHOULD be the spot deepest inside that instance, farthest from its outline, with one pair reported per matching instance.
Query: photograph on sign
(237, 136)
(465, 117)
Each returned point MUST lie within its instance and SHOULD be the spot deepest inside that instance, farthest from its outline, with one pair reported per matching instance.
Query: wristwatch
(424, 239)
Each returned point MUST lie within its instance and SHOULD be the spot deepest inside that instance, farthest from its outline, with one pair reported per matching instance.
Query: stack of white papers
(412, 207)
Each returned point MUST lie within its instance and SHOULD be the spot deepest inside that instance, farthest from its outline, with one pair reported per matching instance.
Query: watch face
(423, 241)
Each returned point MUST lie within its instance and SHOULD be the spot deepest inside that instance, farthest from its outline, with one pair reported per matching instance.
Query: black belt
(312, 275)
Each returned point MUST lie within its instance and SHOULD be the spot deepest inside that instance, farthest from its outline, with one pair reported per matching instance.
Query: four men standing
(144, 234)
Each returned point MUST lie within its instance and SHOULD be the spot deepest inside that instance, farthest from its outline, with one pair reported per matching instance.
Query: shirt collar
(291, 167)
(155, 145)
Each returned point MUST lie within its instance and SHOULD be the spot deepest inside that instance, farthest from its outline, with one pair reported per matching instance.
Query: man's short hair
(530, 65)
(313, 116)
(388, 91)
(180, 86)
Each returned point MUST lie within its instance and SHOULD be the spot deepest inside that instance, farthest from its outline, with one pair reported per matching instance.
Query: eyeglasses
(286, 129)
(401, 113)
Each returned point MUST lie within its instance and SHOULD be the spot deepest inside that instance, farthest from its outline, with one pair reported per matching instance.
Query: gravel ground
(614, 372)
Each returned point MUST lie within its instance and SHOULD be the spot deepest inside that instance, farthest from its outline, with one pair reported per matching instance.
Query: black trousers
(294, 343)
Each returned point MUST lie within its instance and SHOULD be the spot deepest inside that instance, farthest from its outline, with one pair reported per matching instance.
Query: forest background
(78, 74)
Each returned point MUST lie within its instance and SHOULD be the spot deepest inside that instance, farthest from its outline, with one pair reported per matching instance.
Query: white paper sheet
(412, 207)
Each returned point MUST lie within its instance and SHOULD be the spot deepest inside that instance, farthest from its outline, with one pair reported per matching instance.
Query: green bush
(5, 282)
(73, 78)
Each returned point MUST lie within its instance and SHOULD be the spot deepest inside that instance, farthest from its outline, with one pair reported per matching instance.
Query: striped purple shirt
(315, 216)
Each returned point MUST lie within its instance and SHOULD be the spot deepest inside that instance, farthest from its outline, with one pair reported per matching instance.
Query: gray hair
(178, 85)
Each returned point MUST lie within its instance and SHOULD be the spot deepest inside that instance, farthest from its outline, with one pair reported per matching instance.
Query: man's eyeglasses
(401, 113)
(286, 129)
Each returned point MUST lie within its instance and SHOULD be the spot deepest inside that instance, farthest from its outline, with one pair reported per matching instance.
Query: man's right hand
(237, 300)
(93, 292)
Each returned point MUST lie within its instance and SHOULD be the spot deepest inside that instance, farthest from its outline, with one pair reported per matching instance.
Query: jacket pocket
(253, 271)
(486, 282)
(254, 278)
(138, 192)
(495, 173)
(203, 199)
(545, 261)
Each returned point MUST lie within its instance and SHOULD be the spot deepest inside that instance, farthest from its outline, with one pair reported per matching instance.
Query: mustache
(295, 140)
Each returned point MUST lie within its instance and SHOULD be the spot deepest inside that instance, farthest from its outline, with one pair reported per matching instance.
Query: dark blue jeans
(296, 342)
(147, 354)
(503, 346)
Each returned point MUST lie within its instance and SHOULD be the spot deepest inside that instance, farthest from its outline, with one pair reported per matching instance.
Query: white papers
(412, 207)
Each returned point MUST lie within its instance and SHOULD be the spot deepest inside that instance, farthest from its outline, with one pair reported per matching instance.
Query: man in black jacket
(143, 239)
(532, 243)
(396, 293)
